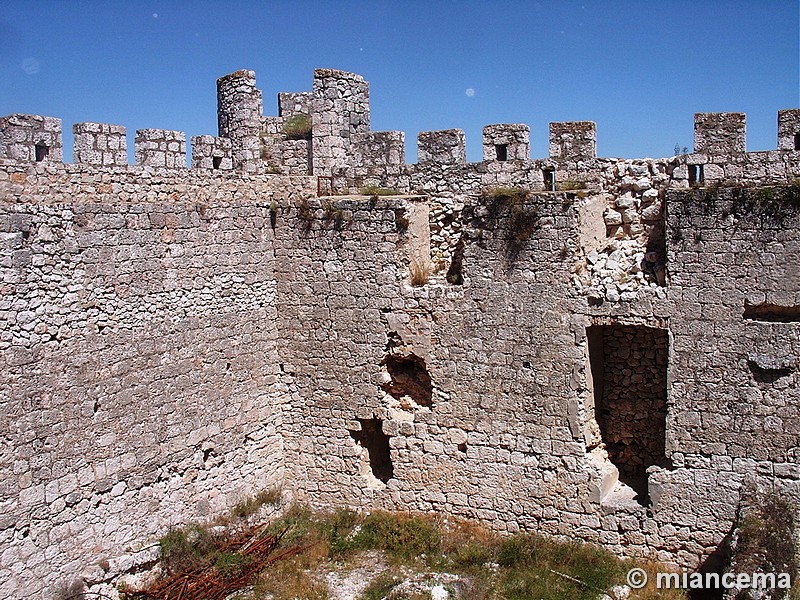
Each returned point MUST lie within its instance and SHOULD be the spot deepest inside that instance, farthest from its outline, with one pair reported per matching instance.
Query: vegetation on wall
(765, 541)
(297, 127)
(374, 190)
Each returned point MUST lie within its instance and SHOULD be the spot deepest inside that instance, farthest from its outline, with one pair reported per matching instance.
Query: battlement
(572, 345)
(30, 138)
(326, 131)
(506, 142)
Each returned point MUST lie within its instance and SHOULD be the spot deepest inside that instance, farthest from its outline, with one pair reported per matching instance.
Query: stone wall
(573, 141)
(141, 385)
(100, 144)
(340, 113)
(30, 138)
(509, 141)
(721, 134)
(446, 147)
(160, 148)
(789, 129)
(211, 152)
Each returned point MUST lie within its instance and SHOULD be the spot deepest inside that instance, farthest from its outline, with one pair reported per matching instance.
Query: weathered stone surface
(173, 340)
(100, 144)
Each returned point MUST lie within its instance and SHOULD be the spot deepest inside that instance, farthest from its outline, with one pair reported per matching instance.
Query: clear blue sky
(638, 69)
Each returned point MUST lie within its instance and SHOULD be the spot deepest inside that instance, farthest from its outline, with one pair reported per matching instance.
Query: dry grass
(298, 127)
(489, 566)
(420, 273)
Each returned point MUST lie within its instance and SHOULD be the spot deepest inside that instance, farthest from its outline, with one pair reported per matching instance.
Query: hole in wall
(797, 141)
(696, 175)
(769, 368)
(772, 313)
(549, 179)
(455, 274)
(216, 161)
(629, 380)
(769, 376)
(501, 151)
(462, 448)
(41, 152)
(376, 443)
(409, 377)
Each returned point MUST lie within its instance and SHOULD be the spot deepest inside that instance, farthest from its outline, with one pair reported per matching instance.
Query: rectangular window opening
(797, 141)
(41, 152)
(502, 151)
(628, 367)
(549, 179)
(696, 175)
(216, 161)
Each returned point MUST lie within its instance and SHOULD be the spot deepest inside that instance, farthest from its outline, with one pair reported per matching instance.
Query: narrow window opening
(376, 442)
(455, 273)
(41, 152)
(501, 151)
(797, 141)
(629, 380)
(696, 175)
(216, 161)
(549, 179)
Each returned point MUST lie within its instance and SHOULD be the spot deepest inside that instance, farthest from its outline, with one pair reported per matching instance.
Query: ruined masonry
(605, 349)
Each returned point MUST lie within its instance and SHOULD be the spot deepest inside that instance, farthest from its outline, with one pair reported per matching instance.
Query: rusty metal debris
(210, 582)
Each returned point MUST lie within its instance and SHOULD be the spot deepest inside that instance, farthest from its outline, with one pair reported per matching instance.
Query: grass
(522, 566)
(189, 548)
(419, 273)
(249, 506)
(766, 539)
(374, 190)
(570, 185)
(297, 127)
(489, 566)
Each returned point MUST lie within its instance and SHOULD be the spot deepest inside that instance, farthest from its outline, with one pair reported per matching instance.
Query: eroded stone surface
(176, 339)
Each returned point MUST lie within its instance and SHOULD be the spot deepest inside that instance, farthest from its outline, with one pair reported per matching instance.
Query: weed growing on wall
(374, 190)
(297, 127)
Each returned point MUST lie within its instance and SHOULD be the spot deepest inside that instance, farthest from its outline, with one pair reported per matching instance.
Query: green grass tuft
(297, 127)
(374, 190)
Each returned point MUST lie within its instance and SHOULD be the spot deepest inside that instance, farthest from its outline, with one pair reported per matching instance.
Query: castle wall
(500, 434)
(140, 380)
(173, 340)
(736, 281)
(493, 438)
(239, 110)
(340, 114)
(100, 144)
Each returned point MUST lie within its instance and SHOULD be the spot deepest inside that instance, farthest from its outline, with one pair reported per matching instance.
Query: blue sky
(640, 70)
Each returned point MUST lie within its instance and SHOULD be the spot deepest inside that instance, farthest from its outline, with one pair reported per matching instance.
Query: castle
(603, 349)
